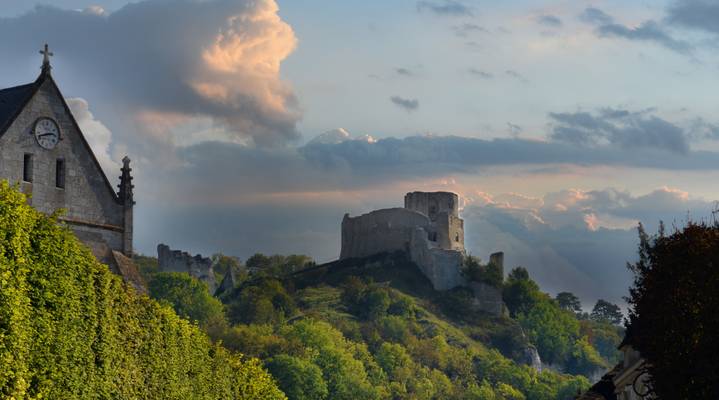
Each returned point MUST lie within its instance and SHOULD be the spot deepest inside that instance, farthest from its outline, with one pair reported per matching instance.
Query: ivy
(70, 329)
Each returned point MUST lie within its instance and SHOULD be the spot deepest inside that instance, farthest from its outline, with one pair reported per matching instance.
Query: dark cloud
(551, 21)
(445, 7)
(182, 57)
(695, 14)
(407, 104)
(404, 71)
(516, 75)
(467, 29)
(514, 129)
(596, 16)
(480, 74)
(428, 156)
(621, 128)
(648, 31)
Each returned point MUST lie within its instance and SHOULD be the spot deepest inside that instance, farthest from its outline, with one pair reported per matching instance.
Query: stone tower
(442, 208)
(428, 229)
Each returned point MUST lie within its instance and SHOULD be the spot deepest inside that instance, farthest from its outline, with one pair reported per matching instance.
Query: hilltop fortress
(428, 229)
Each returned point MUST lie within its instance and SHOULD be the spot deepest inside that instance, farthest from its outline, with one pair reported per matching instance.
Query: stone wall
(92, 209)
(428, 229)
(380, 231)
(179, 261)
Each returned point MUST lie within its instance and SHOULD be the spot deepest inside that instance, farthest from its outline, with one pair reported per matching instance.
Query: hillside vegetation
(375, 329)
(69, 329)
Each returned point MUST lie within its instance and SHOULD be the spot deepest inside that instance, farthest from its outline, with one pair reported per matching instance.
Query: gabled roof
(13, 100)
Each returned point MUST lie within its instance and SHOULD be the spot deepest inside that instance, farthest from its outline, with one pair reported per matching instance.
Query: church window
(456, 237)
(60, 173)
(27, 168)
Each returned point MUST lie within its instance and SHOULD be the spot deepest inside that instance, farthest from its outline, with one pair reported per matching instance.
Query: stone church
(44, 151)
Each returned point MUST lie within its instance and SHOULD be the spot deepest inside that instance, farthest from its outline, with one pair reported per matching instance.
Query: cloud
(337, 136)
(596, 16)
(551, 21)
(403, 72)
(467, 29)
(445, 8)
(218, 59)
(621, 128)
(407, 104)
(648, 31)
(480, 74)
(516, 75)
(97, 134)
(695, 14)
(514, 129)
(573, 240)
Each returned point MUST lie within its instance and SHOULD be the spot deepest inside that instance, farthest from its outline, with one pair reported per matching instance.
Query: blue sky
(254, 126)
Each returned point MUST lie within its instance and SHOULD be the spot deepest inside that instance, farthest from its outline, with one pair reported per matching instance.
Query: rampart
(179, 261)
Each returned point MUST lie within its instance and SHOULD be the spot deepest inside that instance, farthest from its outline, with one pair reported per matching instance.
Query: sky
(254, 126)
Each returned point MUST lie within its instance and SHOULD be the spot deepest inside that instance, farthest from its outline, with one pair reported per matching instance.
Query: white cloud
(97, 134)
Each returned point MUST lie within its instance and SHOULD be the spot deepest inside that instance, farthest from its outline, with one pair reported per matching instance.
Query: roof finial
(46, 54)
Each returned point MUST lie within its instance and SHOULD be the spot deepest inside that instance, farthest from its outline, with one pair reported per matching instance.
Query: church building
(44, 151)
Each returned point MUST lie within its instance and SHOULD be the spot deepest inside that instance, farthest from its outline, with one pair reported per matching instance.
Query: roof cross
(46, 54)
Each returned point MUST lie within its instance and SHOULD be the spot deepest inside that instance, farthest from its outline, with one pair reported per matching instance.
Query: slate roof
(12, 101)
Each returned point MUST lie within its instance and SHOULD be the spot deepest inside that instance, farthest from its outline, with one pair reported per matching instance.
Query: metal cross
(46, 54)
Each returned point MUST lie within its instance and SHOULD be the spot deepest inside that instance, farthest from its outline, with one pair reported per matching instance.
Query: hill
(70, 329)
(374, 328)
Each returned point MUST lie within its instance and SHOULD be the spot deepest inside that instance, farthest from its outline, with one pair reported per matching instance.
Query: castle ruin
(428, 229)
(179, 261)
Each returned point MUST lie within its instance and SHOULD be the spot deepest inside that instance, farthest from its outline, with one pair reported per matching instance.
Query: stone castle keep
(428, 229)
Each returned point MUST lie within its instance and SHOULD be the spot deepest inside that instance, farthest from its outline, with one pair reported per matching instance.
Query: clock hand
(47, 134)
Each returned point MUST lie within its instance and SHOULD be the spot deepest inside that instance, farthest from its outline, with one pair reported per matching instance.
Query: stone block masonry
(179, 261)
(428, 229)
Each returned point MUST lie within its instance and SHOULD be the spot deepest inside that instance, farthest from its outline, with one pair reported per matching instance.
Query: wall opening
(60, 173)
(27, 167)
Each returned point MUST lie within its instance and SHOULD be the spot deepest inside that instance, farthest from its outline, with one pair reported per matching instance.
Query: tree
(552, 329)
(520, 293)
(673, 318)
(569, 302)
(474, 270)
(605, 311)
(299, 379)
(188, 296)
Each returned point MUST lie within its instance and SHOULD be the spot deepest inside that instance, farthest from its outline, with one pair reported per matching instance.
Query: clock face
(47, 133)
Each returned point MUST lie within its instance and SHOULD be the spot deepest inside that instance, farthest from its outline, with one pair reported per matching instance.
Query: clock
(47, 133)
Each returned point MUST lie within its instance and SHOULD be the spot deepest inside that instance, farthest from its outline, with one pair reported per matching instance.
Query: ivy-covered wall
(69, 329)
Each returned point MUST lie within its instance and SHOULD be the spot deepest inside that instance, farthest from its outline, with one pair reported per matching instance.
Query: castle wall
(92, 209)
(400, 229)
(380, 231)
(450, 231)
(432, 203)
(178, 261)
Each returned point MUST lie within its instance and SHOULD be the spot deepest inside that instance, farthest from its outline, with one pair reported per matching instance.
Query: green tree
(552, 329)
(584, 359)
(474, 270)
(673, 310)
(605, 311)
(520, 293)
(299, 379)
(188, 296)
(569, 302)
